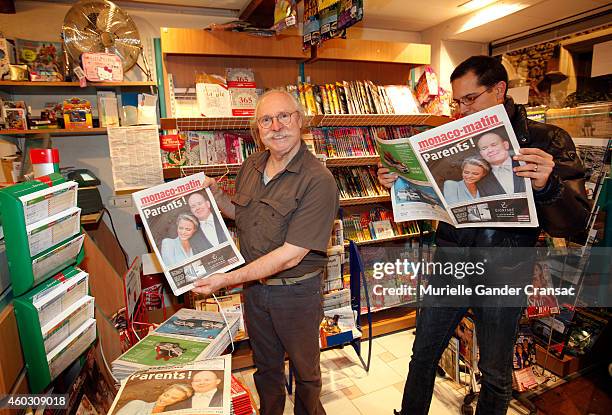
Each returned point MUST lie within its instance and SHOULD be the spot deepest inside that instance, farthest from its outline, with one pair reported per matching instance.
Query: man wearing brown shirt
(284, 208)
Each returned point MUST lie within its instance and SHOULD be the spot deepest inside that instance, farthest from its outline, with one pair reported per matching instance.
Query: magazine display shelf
(208, 169)
(353, 201)
(352, 161)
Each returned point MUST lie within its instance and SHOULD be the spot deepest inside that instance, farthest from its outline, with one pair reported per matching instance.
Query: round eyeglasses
(282, 117)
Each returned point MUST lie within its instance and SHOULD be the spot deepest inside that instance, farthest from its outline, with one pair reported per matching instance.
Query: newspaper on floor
(461, 173)
(202, 387)
(185, 228)
(135, 157)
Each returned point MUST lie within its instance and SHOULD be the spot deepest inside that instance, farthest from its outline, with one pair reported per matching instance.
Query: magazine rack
(604, 202)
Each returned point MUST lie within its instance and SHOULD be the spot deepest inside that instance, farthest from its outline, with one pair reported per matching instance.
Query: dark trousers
(496, 330)
(283, 319)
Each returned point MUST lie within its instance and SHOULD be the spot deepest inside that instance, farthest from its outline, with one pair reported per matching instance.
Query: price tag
(78, 71)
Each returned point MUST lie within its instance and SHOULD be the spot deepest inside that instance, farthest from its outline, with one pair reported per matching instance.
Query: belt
(289, 281)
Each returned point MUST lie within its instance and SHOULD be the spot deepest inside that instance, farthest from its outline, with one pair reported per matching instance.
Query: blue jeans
(496, 330)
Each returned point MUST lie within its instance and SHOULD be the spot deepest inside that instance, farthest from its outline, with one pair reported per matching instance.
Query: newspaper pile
(186, 337)
(202, 387)
(241, 401)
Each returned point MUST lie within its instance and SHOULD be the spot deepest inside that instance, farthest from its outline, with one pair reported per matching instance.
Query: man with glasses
(557, 181)
(284, 207)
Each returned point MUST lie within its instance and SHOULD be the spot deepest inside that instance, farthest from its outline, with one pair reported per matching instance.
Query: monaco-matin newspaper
(461, 173)
(202, 387)
(186, 231)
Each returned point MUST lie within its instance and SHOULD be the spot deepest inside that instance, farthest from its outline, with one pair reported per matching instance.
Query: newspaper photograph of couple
(186, 231)
(461, 173)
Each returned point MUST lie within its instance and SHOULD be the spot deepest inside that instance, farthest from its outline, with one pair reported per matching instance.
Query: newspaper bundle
(186, 230)
(186, 337)
(203, 387)
(461, 173)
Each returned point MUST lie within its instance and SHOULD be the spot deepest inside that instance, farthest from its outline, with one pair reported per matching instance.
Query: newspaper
(461, 173)
(203, 387)
(186, 230)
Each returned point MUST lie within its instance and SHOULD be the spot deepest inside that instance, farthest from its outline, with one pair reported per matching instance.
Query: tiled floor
(349, 390)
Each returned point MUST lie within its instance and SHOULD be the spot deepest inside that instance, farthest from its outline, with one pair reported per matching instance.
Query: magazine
(461, 173)
(524, 350)
(541, 305)
(449, 361)
(186, 230)
(188, 336)
(338, 327)
(203, 387)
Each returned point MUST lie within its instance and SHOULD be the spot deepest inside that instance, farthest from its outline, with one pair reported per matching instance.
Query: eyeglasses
(468, 100)
(282, 117)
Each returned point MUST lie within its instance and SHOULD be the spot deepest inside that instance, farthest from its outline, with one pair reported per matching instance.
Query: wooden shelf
(389, 321)
(392, 238)
(352, 161)
(91, 218)
(359, 50)
(76, 84)
(354, 201)
(56, 132)
(209, 170)
(367, 120)
(204, 43)
(339, 120)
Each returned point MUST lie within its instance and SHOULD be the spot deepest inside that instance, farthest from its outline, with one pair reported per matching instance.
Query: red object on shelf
(44, 155)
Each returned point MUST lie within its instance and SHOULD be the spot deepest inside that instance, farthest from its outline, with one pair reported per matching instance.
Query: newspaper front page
(461, 173)
(469, 163)
(185, 228)
(203, 387)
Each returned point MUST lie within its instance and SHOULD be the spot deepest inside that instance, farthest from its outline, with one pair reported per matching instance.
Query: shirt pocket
(241, 203)
(275, 215)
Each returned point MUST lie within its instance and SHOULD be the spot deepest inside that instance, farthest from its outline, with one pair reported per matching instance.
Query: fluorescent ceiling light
(475, 4)
(490, 14)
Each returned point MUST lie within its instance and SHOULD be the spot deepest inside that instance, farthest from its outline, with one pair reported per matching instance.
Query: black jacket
(562, 206)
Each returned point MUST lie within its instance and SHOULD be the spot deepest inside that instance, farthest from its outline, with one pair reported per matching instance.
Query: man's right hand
(210, 183)
(385, 177)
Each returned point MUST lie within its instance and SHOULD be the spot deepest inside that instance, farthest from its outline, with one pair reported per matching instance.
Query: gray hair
(188, 217)
(186, 389)
(476, 161)
(298, 106)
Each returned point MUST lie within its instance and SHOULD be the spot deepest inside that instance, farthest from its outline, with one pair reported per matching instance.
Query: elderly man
(284, 208)
(557, 181)
(209, 233)
(206, 392)
(496, 151)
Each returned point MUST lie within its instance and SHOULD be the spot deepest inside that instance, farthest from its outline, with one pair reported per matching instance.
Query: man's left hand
(211, 284)
(538, 166)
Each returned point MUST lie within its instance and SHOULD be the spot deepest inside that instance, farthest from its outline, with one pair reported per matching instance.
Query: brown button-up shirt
(297, 206)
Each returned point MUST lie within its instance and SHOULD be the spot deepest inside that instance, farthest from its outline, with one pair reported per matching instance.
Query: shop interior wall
(43, 21)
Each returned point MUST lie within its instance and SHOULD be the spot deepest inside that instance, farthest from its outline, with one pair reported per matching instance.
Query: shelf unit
(209, 170)
(55, 132)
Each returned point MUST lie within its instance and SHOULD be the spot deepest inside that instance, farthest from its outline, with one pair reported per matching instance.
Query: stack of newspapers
(186, 337)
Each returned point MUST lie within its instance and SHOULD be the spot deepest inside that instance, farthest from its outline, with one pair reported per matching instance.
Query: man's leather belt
(289, 281)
